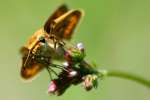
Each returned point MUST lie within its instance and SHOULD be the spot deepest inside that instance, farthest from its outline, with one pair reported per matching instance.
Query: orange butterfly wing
(66, 24)
(30, 68)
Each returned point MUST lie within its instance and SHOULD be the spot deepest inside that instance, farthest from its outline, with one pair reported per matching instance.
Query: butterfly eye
(42, 39)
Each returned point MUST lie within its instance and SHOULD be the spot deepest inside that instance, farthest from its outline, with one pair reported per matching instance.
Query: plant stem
(125, 75)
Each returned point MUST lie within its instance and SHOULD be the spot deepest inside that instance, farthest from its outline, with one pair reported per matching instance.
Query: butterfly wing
(65, 24)
(60, 11)
(31, 67)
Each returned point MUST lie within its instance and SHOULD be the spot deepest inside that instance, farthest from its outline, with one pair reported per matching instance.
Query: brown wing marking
(31, 68)
(30, 71)
(60, 11)
(65, 24)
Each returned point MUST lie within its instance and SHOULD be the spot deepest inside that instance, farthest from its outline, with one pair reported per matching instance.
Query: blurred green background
(116, 34)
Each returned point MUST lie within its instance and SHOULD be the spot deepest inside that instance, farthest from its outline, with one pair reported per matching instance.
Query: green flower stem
(125, 75)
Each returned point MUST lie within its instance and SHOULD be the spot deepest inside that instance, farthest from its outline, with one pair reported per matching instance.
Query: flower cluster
(76, 71)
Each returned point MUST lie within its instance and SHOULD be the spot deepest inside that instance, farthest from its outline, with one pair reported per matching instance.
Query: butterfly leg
(49, 73)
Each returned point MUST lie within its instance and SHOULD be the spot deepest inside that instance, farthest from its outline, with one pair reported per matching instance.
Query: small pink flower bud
(87, 83)
(52, 87)
(67, 56)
